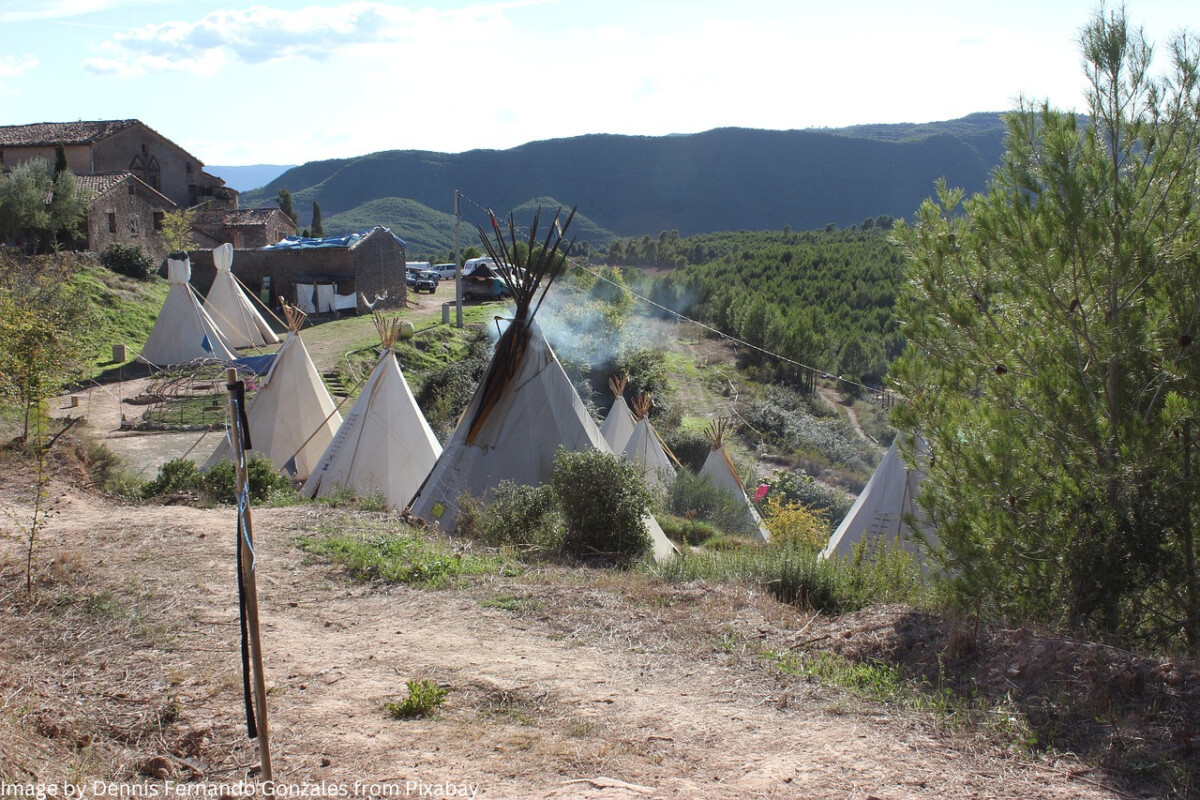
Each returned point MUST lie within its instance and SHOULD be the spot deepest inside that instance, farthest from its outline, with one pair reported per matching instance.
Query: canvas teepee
(292, 419)
(719, 467)
(183, 330)
(232, 308)
(525, 408)
(645, 449)
(385, 444)
(879, 514)
(619, 423)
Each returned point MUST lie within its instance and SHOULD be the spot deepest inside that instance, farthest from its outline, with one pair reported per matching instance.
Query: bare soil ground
(563, 682)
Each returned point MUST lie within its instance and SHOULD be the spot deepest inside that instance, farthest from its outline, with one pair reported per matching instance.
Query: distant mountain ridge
(248, 177)
(718, 180)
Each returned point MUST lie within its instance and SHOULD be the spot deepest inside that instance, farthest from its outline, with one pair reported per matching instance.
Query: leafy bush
(792, 524)
(445, 392)
(424, 698)
(689, 446)
(787, 420)
(180, 475)
(107, 471)
(128, 260)
(218, 482)
(517, 515)
(712, 503)
(604, 500)
(830, 503)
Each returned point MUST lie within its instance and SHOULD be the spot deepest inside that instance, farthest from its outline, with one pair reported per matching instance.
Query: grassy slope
(124, 310)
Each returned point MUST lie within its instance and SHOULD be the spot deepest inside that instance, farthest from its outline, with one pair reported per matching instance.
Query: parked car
(444, 271)
(423, 280)
(484, 289)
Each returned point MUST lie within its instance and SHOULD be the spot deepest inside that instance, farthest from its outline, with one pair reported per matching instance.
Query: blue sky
(286, 82)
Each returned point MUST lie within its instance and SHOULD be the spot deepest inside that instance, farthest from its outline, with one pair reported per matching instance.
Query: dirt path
(104, 409)
(837, 401)
(562, 683)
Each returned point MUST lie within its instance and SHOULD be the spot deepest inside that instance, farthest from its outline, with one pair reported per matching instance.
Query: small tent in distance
(292, 418)
(231, 307)
(719, 467)
(619, 423)
(183, 330)
(645, 449)
(385, 444)
(883, 509)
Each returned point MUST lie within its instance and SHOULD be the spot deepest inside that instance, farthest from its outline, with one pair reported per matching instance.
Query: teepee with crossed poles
(292, 418)
(719, 467)
(526, 408)
(385, 444)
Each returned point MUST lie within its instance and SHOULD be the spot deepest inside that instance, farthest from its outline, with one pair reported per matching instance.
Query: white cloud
(15, 66)
(31, 10)
(261, 34)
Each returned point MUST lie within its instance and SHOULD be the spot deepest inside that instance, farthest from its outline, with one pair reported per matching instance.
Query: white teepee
(385, 444)
(645, 449)
(719, 467)
(523, 412)
(880, 510)
(292, 419)
(183, 330)
(619, 423)
(232, 308)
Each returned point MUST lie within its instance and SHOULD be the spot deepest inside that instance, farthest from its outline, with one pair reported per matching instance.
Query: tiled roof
(249, 216)
(100, 183)
(42, 134)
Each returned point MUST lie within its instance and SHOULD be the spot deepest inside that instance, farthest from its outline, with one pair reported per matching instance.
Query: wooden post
(245, 531)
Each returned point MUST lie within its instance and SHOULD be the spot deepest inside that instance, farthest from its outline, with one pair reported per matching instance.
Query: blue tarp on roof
(308, 243)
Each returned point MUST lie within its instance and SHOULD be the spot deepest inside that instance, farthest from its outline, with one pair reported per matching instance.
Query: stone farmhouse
(131, 168)
(136, 176)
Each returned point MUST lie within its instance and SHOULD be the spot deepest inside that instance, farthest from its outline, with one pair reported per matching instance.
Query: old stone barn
(322, 276)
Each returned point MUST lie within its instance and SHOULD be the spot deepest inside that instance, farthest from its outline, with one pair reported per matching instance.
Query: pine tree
(285, 205)
(317, 229)
(1051, 365)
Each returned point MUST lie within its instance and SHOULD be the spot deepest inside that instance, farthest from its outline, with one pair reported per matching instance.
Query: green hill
(429, 233)
(719, 180)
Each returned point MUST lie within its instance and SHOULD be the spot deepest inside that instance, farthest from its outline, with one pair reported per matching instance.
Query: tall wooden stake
(246, 534)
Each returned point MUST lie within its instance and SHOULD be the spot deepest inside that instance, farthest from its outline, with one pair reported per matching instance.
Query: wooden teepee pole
(249, 587)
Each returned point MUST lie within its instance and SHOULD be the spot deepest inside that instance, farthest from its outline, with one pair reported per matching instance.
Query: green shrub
(604, 500)
(689, 531)
(796, 575)
(108, 472)
(128, 260)
(424, 698)
(218, 482)
(517, 515)
(690, 492)
(690, 446)
(180, 475)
